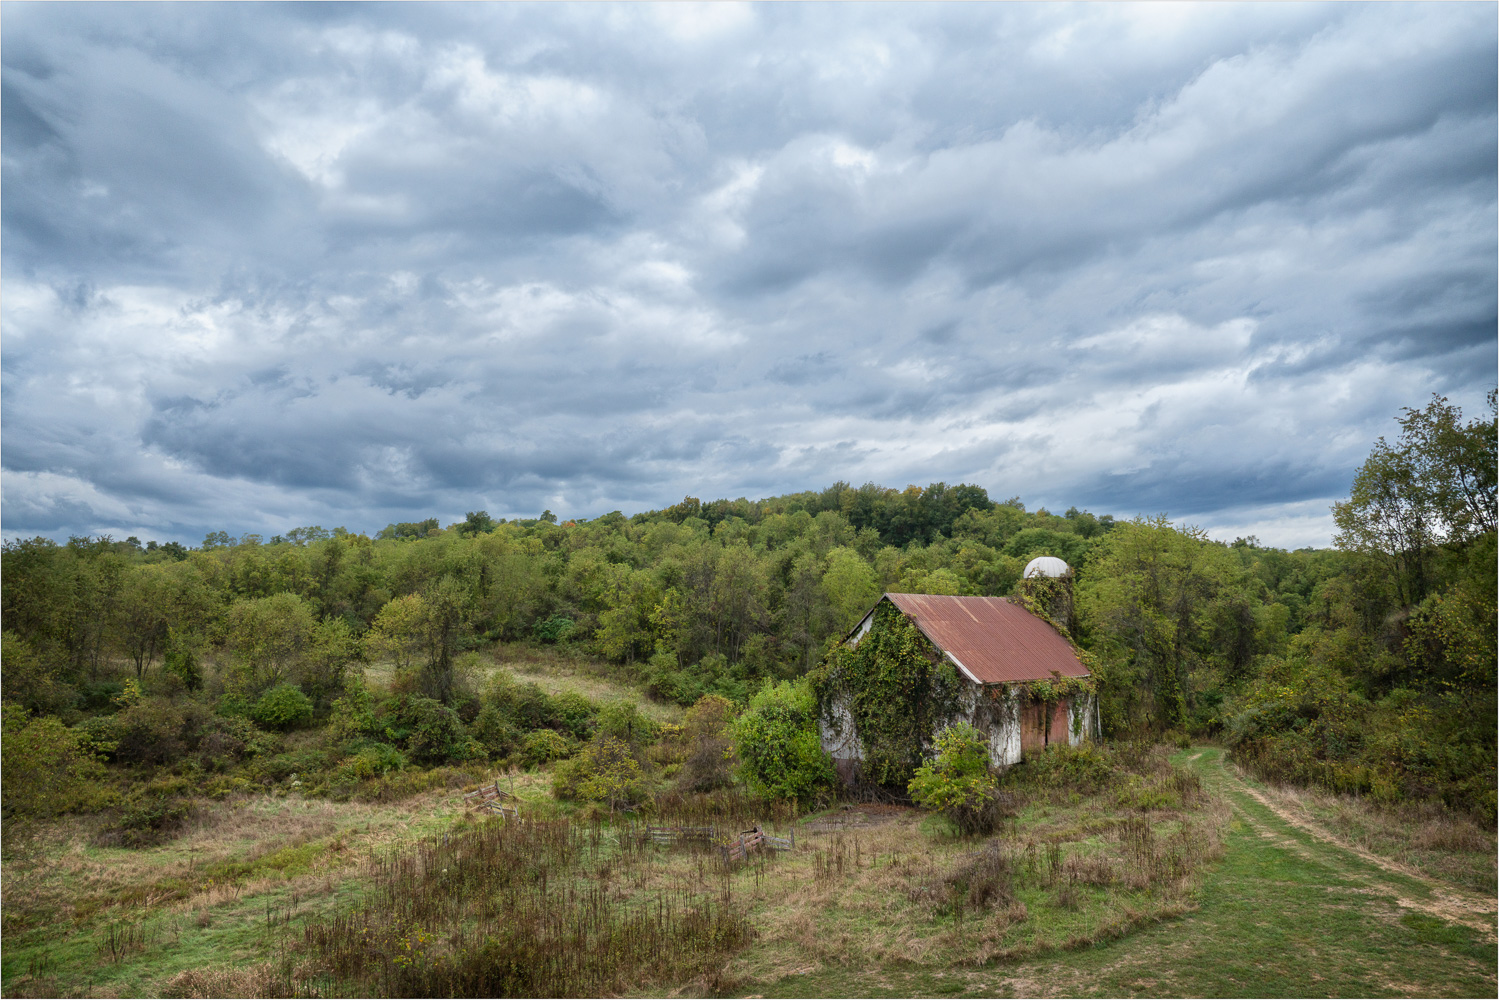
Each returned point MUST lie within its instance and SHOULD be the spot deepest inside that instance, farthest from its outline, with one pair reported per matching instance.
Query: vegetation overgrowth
(676, 663)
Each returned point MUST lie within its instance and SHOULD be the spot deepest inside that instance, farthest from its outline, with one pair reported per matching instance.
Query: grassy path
(1287, 913)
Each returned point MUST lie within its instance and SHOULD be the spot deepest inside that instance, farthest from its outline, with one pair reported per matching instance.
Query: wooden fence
(681, 834)
(493, 799)
(755, 840)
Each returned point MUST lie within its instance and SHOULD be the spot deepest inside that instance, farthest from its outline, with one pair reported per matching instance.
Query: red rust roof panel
(996, 641)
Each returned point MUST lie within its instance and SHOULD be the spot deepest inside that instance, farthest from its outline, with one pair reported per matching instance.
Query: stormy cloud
(276, 265)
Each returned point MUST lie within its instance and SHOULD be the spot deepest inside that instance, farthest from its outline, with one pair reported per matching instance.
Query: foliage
(427, 730)
(776, 742)
(48, 768)
(622, 720)
(544, 746)
(269, 636)
(606, 770)
(29, 681)
(1152, 603)
(158, 731)
(708, 747)
(557, 628)
(896, 691)
(1436, 483)
(282, 707)
(371, 760)
(957, 782)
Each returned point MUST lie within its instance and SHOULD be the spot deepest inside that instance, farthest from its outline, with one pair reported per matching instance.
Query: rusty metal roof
(990, 639)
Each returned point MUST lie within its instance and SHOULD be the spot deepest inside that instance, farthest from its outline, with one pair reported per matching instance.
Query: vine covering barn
(917, 663)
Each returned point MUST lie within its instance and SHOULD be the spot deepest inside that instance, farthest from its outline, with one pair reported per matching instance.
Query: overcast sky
(269, 266)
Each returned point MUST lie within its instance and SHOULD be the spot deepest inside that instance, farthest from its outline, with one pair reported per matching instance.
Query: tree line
(1368, 667)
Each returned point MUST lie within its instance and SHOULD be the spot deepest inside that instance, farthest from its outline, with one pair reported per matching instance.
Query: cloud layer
(270, 265)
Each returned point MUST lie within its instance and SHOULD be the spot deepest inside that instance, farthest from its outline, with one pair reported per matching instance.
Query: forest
(1366, 668)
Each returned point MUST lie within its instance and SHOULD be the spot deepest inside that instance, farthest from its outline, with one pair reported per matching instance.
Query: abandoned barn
(1022, 682)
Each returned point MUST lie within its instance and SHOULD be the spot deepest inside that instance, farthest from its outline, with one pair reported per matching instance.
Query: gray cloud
(338, 264)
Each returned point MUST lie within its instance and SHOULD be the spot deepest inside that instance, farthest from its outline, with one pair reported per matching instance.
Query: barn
(1024, 684)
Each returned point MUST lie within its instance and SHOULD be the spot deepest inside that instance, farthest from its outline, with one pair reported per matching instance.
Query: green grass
(1283, 914)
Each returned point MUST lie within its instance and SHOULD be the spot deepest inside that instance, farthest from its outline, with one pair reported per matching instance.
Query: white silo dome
(1046, 566)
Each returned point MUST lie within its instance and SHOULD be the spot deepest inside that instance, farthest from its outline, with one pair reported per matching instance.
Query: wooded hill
(1369, 667)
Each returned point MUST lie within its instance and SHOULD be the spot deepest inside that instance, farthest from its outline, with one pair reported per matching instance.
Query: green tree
(777, 744)
(269, 636)
(1435, 484)
(957, 782)
(851, 586)
(48, 768)
(1151, 600)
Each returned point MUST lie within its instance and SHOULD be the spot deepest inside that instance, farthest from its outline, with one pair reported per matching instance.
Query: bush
(99, 735)
(29, 681)
(429, 731)
(574, 714)
(155, 731)
(1085, 768)
(622, 720)
(957, 782)
(224, 741)
(283, 766)
(155, 821)
(371, 761)
(605, 771)
(544, 746)
(48, 768)
(553, 629)
(495, 732)
(282, 707)
(709, 749)
(354, 713)
(777, 743)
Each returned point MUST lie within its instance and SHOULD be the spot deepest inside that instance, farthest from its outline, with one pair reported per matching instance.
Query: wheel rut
(1447, 902)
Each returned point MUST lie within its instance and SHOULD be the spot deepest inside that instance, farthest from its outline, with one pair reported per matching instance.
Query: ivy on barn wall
(897, 690)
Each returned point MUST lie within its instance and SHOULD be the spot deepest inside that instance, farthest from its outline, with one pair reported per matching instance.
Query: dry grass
(237, 849)
(896, 891)
(1425, 836)
(554, 671)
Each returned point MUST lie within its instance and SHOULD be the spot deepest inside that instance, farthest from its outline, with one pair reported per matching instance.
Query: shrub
(99, 734)
(429, 731)
(605, 771)
(371, 761)
(153, 731)
(154, 821)
(223, 741)
(354, 713)
(282, 707)
(1085, 768)
(777, 743)
(495, 732)
(957, 782)
(543, 746)
(287, 765)
(622, 720)
(709, 749)
(574, 713)
(553, 629)
(31, 682)
(48, 768)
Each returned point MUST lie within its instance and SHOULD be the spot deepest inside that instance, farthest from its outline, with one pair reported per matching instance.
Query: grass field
(1284, 913)
(867, 905)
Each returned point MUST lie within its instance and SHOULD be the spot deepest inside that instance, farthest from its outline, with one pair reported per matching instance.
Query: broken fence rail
(678, 834)
(492, 799)
(755, 840)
